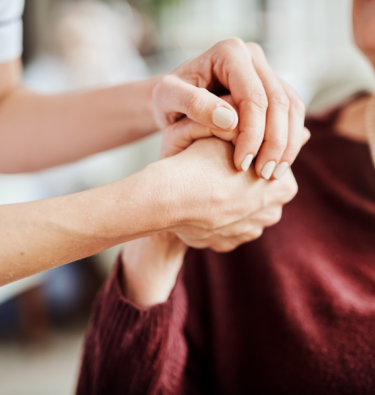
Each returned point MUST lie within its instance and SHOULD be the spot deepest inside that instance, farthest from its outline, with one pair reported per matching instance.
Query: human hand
(209, 193)
(219, 208)
(184, 132)
(271, 114)
(264, 204)
(231, 236)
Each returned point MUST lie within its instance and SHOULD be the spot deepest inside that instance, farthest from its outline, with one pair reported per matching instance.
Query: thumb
(173, 97)
(182, 134)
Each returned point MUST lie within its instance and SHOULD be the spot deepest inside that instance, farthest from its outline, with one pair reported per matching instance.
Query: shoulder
(10, 29)
(10, 10)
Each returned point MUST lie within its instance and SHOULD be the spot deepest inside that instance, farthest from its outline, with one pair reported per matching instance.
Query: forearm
(39, 131)
(39, 235)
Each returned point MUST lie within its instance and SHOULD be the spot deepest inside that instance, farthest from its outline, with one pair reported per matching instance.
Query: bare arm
(195, 193)
(151, 264)
(191, 193)
(39, 235)
(39, 131)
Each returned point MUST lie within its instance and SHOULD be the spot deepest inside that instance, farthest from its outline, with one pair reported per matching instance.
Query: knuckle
(291, 190)
(234, 42)
(214, 224)
(161, 85)
(197, 244)
(220, 247)
(278, 142)
(231, 246)
(229, 46)
(297, 105)
(195, 101)
(256, 49)
(280, 100)
(171, 129)
(277, 214)
(255, 233)
(165, 80)
(211, 227)
(257, 137)
(292, 149)
(260, 101)
(157, 91)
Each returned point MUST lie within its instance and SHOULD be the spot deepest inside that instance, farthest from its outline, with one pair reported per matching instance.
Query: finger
(296, 134)
(276, 132)
(243, 231)
(280, 193)
(266, 217)
(306, 135)
(233, 134)
(182, 134)
(175, 96)
(233, 67)
(249, 225)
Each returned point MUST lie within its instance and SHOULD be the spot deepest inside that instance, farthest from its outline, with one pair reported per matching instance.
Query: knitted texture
(291, 313)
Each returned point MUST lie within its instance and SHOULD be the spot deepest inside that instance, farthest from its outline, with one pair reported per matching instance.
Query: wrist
(151, 266)
(144, 106)
(168, 194)
(137, 206)
(130, 110)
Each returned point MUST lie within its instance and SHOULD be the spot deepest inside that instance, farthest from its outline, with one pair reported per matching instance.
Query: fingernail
(247, 162)
(280, 170)
(222, 117)
(268, 169)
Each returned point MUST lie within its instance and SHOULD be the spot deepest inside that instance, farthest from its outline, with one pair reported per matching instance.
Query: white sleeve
(10, 29)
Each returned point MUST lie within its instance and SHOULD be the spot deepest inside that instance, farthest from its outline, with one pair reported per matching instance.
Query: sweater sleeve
(132, 350)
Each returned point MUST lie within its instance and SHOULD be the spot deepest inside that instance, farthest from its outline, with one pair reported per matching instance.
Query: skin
(203, 197)
(271, 114)
(199, 196)
(351, 122)
(38, 131)
(151, 264)
(162, 255)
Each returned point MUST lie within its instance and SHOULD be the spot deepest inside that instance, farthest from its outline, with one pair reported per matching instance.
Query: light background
(83, 44)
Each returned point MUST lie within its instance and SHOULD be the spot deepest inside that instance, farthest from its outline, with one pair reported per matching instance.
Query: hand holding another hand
(180, 135)
(213, 205)
(271, 114)
(219, 208)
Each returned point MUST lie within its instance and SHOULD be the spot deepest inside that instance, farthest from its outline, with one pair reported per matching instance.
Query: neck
(351, 122)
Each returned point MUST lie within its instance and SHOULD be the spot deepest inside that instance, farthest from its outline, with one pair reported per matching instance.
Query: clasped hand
(223, 207)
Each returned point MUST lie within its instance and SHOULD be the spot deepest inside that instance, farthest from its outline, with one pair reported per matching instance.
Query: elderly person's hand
(271, 114)
(239, 205)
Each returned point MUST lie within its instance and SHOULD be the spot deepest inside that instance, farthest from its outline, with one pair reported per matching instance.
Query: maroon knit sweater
(292, 313)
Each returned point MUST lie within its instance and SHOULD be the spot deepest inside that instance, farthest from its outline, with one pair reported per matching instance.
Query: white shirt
(10, 29)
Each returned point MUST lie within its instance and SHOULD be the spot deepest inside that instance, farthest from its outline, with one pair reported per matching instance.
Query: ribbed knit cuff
(132, 348)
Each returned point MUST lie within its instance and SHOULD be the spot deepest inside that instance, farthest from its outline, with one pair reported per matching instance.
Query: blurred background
(71, 45)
